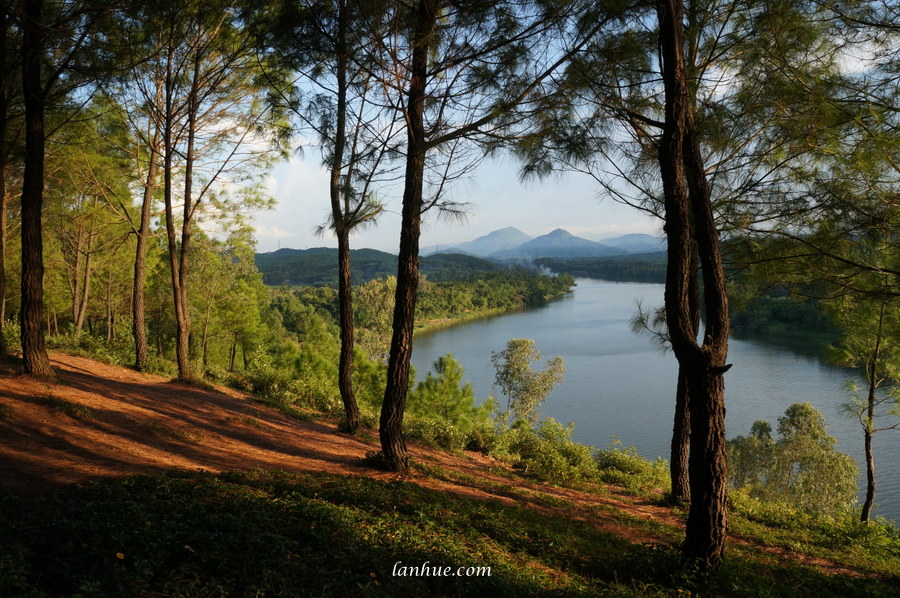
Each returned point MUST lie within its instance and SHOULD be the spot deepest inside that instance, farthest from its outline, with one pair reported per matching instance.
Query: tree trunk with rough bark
(393, 444)
(178, 254)
(681, 442)
(681, 433)
(4, 217)
(340, 219)
(869, 422)
(110, 309)
(139, 326)
(869, 502)
(35, 360)
(345, 366)
(82, 288)
(689, 219)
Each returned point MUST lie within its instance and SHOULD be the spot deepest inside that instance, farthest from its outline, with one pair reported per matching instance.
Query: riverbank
(469, 316)
(424, 326)
(619, 383)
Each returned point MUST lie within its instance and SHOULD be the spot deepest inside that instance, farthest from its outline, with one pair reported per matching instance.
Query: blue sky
(497, 199)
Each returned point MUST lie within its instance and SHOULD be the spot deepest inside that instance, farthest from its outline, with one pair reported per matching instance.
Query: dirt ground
(97, 420)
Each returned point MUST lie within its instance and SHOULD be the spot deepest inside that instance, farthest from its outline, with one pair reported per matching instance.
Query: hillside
(639, 267)
(636, 243)
(318, 266)
(329, 524)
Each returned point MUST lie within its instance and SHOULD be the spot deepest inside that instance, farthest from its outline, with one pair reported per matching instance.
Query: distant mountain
(636, 243)
(318, 266)
(559, 243)
(498, 240)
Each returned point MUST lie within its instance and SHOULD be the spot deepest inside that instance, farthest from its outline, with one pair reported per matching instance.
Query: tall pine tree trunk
(110, 310)
(345, 365)
(341, 220)
(83, 289)
(139, 326)
(681, 433)
(182, 306)
(4, 216)
(178, 255)
(869, 424)
(689, 218)
(393, 445)
(31, 317)
(869, 502)
(681, 442)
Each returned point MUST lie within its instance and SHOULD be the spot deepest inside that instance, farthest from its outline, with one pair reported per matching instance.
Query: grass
(73, 410)
(168, 433)
(279, 534)
(840, 539)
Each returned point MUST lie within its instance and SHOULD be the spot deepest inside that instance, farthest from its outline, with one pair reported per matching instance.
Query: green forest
(136, 139)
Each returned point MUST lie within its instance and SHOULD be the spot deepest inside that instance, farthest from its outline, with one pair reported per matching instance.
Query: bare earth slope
(97, 420)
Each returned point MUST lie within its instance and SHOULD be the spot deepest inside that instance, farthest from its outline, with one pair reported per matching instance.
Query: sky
(498, 199)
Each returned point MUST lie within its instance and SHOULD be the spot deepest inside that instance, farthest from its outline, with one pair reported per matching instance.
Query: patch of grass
(255, 423)
(250, 421)
(73, 410)
(279, 534)
(842, 538)
(168, 433)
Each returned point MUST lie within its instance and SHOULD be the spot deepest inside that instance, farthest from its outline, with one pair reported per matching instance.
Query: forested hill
(318, 266)
(640, 267)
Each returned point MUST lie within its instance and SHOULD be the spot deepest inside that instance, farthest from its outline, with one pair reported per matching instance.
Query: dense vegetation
(319, 266)
(642, 267)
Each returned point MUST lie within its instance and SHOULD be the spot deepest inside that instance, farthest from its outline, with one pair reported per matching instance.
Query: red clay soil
(96, 420)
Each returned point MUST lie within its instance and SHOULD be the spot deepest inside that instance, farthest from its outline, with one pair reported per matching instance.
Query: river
(620, 384)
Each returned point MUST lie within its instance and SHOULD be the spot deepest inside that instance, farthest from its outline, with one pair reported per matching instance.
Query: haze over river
(619, 383)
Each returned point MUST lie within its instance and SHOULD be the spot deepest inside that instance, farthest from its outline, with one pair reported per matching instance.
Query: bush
(624, 467)
(435, 433)
(483, 438)
(548, 452)
(11, 336)
(118, 352)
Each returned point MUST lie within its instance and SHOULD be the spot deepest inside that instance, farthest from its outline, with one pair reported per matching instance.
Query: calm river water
(619, 384)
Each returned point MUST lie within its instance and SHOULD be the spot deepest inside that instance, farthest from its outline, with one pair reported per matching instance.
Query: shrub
(548, 452)
(435, 433)
(483, 438)
(624, 467)
(11, 336)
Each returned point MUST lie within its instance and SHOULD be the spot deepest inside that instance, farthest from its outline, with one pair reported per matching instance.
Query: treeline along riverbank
(761, 309)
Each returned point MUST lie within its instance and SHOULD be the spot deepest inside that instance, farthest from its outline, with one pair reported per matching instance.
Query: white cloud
(263, 231)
